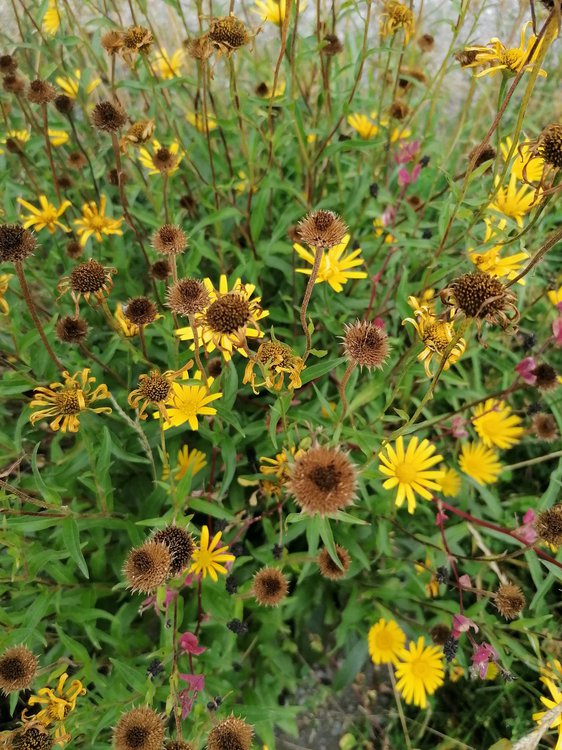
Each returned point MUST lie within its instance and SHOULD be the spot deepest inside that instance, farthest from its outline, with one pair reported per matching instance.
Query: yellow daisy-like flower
(512, 201)
(523, 159)
(230, 318)
(509, 60)
(207, 558)
(66, 401)
(4, 281)
(555, 296)
(153, 161)
(71, 84)
(129, 329)
(450, 482)
(386, 642)
(436, 335)
(334, 266)
(556, 695)
(196, 119)
(496, 424)
(419, 672)
(51, 19)
(396, 16)
(187, 402)
(490, 261)
(95, 222)
(432, 586)
(363, 125)
(20, 136)
(410, 470)
(274, 360)
(56, 705)
(380, 230)
(189, 460)
(166, 66)
(397, 133)
(274, 10)
(480, 463)
(58, 137)
(45, 217)
(278, 468)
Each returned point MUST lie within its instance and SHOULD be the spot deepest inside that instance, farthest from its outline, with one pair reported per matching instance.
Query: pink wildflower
(408, 152)
(557, 331)
(408, 178)
(462, 624)
(189, 644)
(457, 427)
(526, 369)
(482, 656)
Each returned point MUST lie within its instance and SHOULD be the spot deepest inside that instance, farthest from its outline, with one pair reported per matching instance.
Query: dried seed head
(14, 146)
(160, 270)
(262, 89)
(322, 229)
(165, 160)
(13, 83)
(404, 82)
(77, 160)
(509, 600)
(34, 737)
(16, 243)
(138, 39)
(466, 57)
(18, 667)
(545, 427)
(64, 104)
(365, 344)
(440, 634)
(74, 249)
(228, 313)
(65, 182)
(178, 745)
(270, 587)
(322, 480)
(332, 45)
(108, 116)
(550, 145)
(488, 153)
(546, 377)
(189, 203)
(200, 48)
(8, 64)
(230, 734)
(214, 367)
(328, 567)
(229, 32)
(139, 729)
(147, 567)
(89, 277)
(180, 546)
(398, 109)
(169, 240)
(71, 330)
(187, 297)
(112, 42)
(141, 311)
(548, 525)
(41, 92)
(140, 132)
(482, 296)
(274, 351)
(154, 387)
(426, 42)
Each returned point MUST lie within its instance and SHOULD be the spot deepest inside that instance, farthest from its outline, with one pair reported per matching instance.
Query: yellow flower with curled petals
(208, 556)
(56, 705)
(45, 217)
(168, 66)
(508, 60)
(436, 335)
(522, 161)
(58, 137)
(4, 281)
(490, 261)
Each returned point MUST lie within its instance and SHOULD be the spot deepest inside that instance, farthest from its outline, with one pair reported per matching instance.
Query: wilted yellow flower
(506, 59)
(523, 160)
(162, 159)
(129, 329)
(436, 335)
(274, 360)
(396, 16)
(45, 217)
(4, 281)
(56, 705)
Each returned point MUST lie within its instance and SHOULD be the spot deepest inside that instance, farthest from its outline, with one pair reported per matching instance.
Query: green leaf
(71, 537)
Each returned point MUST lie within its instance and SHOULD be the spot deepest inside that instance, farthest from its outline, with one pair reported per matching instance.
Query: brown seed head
(76, 160)
(74, 249)
(112, 42)
(200, 48)
(34, 737)
(16, 243)
(228, 314)
(140, 131)
(329, 569)
(262, 89)
(147, 567)
(466, 57)
(323, 480)
(178, 745)
(228, 31)
(141, 311)
(164, 160)
(65, 182)
(545, 427)
(550, 145)
(214, 367)
(71, 330)
(139, 729)
(509, 600)
(187, 297)
(548, 525)
(108, 116)
(398, 109)
(169, 240)
(365, 344)
(64, 104)
(89, 277)
(154, 387)
(480, 295)
(14, 146)
(270, 587)
(180, 546)
(406, 74)
(439, 634)
(488, 153)
(322, 229)
(18, 667)
(547, 379)
(13, 83)
(230, 734)
(160, 270)
(332, 45)
(41, 92)
(426, 42)
(8, 64)
(138, 39)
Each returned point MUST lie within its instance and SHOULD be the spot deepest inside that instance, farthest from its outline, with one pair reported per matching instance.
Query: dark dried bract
(64, 104)
(180, 546)
(328, 567)
(41, 92)
(71, 330)
(140, 311)
(108, 116)
(509, 600)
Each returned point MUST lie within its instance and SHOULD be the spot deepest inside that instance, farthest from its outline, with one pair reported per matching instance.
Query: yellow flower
(186, 402)
(436, 335)
(20, 136)
(480, 463)
(380, 230)
(51, 19)
(129, 329)
(58, 137)
(550, 704)
(4, 281)
(490, 261)
(508, 59)
(513, 202)
(207, 558)
(397, 133)
(432, 586)
(56, 705)
(152, 161)
(274, 10)
(193, 461)
(522, 160)
(274, 360)
(66, 401)
(419, 672)
(396, 16)
(410, 470)
(196, 119)
(46, 217)
(450, 482)
(496, 425)
(229, 319)
(386, 641)
(94, 222)
(363, 125)
(169, 67)
(555, 296)
(334, 266)
(71, 84)
(278, 468)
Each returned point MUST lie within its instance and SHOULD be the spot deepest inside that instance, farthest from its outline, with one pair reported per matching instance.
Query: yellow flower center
(68, 402)
(418, 668)
(97, 222)
(435, 337)
(406, 473)
(511, 58)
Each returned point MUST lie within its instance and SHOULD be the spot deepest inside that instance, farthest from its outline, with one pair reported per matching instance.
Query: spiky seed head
(71, 330)
(480, 295)
(322, 229)
(165, 160)
(187, 297)
(328, 568)
(41, 92)
(365, 344)
(34, 737)
(322, 480)
(112, 42)
(548, 525)
(64, 104)
(178, 745)
(546, 377)
(230, 734)
(180, 545)
(140, 311)
(88, 277)
(108, 116)
(550, 145)
(160, 270)
(398, 110)
(147, 567)
(482, 155)
(76, 160)
(228, 313)
(269, 587)
(16, 243)
(8, 64)
(18, 667)
(228, 31)
(509, 600)
(169, 240)
(74, 249)
(545, 427)
(13, 83)
(138, 39)
(426, 42)
(154, 387)
(139, 729)
(332, 45)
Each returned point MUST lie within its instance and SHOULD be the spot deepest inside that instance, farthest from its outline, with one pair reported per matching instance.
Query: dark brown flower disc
(140, 311)
(547, 378)
(322, 229)
(108, 116)
(88, 278)
(35, 737)
(71, 330)
(154, 387)
(365, 344)
(328, 567)
(509, 600)
(16, 243)
(228, 31)
(180, 546)
(545, 427)
(269, 587)
(550, 145)
(548, 525)
(228, 313)
(169, 240)
(187, 297)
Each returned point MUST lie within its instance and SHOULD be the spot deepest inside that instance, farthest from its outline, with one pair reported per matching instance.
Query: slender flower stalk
(318, 254)
(50, 151)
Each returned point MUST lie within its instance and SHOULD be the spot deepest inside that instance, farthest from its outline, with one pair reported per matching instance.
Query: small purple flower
(189, 644)
(557, 331)
(465, 582)
(408, 152)
(462, 624)
(408, 178)
(526, 369)
(482, 656)
(457, 427)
